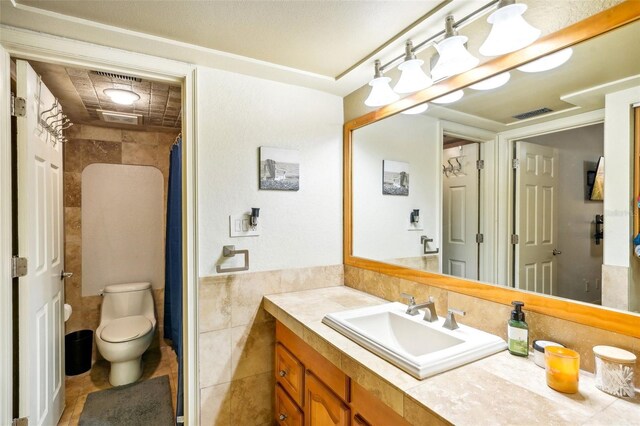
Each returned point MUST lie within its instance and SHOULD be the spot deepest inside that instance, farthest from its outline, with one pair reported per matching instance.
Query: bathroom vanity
(322, 377)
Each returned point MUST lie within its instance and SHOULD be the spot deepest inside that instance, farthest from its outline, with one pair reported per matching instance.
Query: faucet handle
(409, 297)
(450, 323)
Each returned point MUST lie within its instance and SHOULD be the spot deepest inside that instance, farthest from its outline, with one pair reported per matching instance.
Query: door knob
(282, 417)
(64, 275)
(556, 252)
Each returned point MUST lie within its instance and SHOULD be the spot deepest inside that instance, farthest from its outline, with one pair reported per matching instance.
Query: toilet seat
(125, 329)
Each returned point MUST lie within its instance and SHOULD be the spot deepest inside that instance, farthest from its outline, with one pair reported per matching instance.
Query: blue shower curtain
(173, 264)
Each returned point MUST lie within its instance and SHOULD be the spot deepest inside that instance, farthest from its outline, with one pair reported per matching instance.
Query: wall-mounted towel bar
(424, 240)
(230, 251)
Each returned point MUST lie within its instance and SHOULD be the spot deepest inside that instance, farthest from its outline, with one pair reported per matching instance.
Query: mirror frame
(582, 313)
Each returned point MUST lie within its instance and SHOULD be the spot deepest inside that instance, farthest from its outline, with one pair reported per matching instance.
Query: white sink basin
(420, 348)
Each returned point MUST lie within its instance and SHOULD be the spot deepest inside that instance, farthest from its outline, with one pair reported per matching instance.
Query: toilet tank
(123, 300)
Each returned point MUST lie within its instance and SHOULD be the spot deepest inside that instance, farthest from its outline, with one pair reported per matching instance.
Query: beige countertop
(500, 389)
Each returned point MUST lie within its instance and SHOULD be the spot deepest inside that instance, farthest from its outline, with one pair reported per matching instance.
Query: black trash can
(78, 349)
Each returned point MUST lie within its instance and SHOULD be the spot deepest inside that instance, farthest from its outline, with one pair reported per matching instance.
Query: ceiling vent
(115, 117)
(117, 76)
(533, 113)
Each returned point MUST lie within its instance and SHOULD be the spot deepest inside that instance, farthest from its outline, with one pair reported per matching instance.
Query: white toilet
(127, 324)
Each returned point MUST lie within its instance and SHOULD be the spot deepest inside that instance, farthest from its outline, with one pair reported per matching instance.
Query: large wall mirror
(508, 185)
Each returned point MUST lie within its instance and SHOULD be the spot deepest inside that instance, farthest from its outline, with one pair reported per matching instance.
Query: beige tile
(215, 405)
(72, 156)
(488, 316)
(214, 348)
(246, 296)
(73, 225)
(94, 133)
(417, 414)
(77, 410)
(146, 138)
(133, 153)
(252, 400)
(214, 303)
(72, 190)
(252, 349)
(99, 151)
(623, 412)
(323, 347)
(309, 278)
(352, 276)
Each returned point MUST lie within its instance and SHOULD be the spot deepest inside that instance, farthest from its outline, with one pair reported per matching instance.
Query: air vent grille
(117, 76)
(120, 117)
(533, 113)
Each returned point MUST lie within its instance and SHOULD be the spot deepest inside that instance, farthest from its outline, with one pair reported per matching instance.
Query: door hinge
(480, 164)
(18, 266)
(479, 238)
(18, 106)
(515, 239)
(515, 163)
(22, 421)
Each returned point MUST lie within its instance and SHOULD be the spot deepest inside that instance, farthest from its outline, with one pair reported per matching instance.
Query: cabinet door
(289, 373)
(287, 412)
(323, 407)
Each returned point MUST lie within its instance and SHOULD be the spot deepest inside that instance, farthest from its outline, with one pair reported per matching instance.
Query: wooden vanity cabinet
(312, 391)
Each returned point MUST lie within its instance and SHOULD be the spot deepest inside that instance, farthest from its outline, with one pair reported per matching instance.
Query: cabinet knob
(282, 417)
(282, 373)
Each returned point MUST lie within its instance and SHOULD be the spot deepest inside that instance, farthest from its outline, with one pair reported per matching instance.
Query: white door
(40, 240)
(460, 211)
(536, 217)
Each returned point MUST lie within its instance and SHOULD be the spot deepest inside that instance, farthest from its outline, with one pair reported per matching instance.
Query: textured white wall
(381, 222)
(122, 226)
(236, 115)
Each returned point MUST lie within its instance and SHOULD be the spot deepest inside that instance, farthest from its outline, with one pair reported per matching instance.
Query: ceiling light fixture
(548, 62)
(509, 31)
(381, 93)
(454, 57)
(416, 109)
(413, 78)
(493, 82)
(450, 98)
(122, 96)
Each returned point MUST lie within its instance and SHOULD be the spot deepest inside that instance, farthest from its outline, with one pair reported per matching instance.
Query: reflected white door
(40, 240)
(536, 217)
(460, 212)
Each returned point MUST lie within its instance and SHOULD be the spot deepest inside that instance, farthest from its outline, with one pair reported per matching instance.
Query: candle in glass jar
(563, 369)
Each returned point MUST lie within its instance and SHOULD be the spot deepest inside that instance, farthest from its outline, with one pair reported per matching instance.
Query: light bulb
(509, 31)
(121, 96)
(417, 109)
(381, 93)
(493, 82)
(413, 78)
(454, 58)
(450, 98)
(548, 62)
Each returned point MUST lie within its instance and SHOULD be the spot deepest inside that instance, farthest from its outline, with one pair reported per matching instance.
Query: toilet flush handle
(64, 275)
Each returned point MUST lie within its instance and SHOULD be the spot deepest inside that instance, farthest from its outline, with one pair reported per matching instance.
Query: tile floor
(156, 362)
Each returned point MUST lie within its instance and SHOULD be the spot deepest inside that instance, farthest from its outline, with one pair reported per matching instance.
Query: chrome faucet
(412, 308)
(450, 322)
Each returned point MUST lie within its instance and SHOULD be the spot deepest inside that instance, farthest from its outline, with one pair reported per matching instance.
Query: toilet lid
(125, 329)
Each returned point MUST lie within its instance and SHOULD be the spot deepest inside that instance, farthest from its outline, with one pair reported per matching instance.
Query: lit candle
(563, 369)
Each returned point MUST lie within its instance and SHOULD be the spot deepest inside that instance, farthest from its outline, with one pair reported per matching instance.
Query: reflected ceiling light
(493, 82)
(417, 109)
(413, 78)
(509, 31)
(548, 62)
(381, 93)
(450, 98)
(122, 96)
(454, 57)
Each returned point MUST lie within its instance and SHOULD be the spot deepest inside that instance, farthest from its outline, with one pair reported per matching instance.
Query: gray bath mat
(143, 403)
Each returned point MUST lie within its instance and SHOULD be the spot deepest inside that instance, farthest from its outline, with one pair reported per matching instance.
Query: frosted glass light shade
(413, 78)
(417, 109)
(509, 31)
(121, 96)
(450, 98)
(381, 93)
(493, 82)
(548, 62)
(454, 58)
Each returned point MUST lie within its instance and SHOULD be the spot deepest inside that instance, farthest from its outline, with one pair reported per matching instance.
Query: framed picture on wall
(395, 178)
(279, 169)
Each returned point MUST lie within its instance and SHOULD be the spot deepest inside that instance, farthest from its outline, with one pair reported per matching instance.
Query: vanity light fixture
(493, 82)
(381, 93)
(509, 31)
(548, 62)
(253, 219)
(416, 109)
(450, 98)
(413, 78)
(453, 55)
(122, 96)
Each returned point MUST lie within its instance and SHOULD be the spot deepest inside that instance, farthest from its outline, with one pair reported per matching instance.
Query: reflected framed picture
(279, 169)
(395, 178)
(597, 190)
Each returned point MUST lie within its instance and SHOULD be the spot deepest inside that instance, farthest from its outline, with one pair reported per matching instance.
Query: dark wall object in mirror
(597, 188)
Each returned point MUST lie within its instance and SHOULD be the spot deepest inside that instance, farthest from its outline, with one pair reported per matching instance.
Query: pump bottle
(518, 332)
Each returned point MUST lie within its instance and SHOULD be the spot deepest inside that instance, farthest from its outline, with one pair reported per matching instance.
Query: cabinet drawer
(290, 373)
(287, 412)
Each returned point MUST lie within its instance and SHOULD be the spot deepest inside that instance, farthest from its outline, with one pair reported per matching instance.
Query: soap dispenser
(518, 331)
